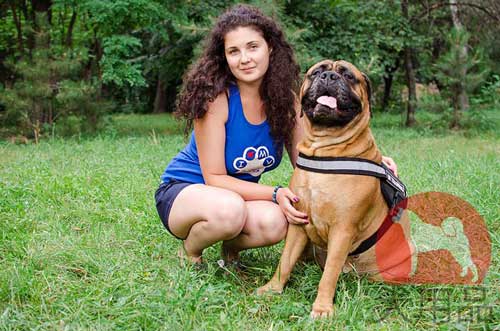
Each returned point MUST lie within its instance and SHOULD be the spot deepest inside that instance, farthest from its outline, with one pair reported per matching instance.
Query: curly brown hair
(210, 75)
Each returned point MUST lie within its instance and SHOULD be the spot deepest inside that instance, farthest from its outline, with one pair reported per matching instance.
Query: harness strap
(372, 240)
(358, 166)
(340, 165)
(350, 166)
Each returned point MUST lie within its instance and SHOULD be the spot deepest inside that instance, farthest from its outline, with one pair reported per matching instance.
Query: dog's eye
(315, 73)
(347, 75)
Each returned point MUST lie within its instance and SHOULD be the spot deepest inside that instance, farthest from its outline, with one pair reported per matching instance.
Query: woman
(240, 96)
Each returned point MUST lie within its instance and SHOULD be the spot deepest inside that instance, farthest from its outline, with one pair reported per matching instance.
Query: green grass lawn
(81, 246)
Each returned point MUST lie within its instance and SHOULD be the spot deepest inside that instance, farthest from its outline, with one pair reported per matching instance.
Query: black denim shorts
(165, 196)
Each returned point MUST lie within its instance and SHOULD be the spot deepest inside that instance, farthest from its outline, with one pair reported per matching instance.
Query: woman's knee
(229, 214)
(272, 225)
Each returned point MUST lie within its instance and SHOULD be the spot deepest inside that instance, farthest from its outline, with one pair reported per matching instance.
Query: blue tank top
(249, 150)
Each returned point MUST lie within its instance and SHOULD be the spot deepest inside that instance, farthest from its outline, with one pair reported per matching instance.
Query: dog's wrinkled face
(334, 93)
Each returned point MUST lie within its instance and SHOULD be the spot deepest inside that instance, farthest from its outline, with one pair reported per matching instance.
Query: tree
(47, 88)
(460, 99)
(409, 74)
(134, 52)
(173, 45)
(460, 73)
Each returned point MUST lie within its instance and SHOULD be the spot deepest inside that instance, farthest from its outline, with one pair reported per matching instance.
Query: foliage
(365, 33)
(434, 103)
(116, 69)
(46, 91)
(135, 52)
(453, 64)
(488, 93)
(120, 16)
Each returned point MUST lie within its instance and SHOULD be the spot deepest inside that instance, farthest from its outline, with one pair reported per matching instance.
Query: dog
(346, 211)
(343, 210)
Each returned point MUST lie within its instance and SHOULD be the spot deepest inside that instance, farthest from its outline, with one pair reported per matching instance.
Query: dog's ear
(297, 103)
(368, 91)
(302, 92)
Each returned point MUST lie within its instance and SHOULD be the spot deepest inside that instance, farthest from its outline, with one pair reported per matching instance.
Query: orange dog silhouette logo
(435, 238)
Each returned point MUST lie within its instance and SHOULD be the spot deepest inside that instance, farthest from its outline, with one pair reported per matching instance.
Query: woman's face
(247, 54)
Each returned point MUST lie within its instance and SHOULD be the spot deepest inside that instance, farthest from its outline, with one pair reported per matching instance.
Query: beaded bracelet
(275, 192)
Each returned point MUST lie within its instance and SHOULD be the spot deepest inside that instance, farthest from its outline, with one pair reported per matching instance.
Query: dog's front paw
(270, 288)
(322, 310)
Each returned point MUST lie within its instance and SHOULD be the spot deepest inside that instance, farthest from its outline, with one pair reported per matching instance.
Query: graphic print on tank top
(254, 161)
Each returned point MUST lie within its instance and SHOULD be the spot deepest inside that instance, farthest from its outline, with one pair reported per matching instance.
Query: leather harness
(393, 190)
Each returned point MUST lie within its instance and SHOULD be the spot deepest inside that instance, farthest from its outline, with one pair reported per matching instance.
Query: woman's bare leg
(205, 215)
(265, 225)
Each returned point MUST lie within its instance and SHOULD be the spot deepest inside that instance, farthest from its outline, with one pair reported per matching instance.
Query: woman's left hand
(284, 197)
(389, 162)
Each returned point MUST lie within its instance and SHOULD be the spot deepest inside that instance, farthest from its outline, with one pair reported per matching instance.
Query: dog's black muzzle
(330, 83)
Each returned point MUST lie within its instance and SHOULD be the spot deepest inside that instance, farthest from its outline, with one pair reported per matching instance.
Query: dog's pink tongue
(327, 101)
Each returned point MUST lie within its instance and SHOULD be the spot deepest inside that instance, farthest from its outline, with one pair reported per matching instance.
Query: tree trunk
(410, 75)
(412, 91)
(388, 77)
(69, 35)
(171, 97)
(29, 20)
(43, 6)
(461, 103)
(24, 9)
(17, 22)
(99, 52)
(42, 27)
(160, 104)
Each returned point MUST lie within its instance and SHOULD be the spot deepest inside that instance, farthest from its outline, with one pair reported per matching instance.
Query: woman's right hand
(284, 197)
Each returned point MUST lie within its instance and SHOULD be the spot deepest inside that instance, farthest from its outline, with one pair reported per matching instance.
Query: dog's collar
(393, 190)
(349, 166)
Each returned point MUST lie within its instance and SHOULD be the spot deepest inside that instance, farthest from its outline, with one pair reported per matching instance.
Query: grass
(81, 246)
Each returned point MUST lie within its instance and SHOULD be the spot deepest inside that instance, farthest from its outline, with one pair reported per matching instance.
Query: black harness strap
(372, 240)
(393, 190)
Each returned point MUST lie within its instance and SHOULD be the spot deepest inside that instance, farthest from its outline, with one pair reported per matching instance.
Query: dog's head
(334, 93)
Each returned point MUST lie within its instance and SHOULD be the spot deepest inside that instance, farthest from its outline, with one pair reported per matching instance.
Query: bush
(434, 103)
(47, 90)
(488, 94)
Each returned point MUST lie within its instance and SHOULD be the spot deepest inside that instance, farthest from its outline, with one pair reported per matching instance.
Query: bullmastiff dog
(351, 226)
(343, 210)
